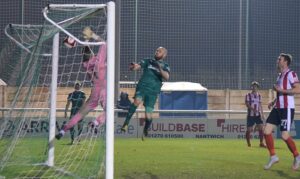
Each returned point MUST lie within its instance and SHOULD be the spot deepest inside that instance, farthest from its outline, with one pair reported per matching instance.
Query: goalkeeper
(96, 70)
(155, 70)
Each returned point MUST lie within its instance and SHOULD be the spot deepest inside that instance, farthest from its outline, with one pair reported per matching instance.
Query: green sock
(148, 123)
(130, 113)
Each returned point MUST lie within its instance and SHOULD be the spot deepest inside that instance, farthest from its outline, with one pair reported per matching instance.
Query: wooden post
(227, 102)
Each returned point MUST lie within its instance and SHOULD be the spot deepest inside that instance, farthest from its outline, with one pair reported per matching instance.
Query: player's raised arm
(134, 66)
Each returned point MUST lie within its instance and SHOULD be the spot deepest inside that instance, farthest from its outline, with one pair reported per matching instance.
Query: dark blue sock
(148, 123)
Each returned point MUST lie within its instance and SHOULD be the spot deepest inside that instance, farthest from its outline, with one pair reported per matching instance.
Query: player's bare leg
(248, 135)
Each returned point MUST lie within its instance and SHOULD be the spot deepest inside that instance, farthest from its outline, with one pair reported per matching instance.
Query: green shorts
(148, 98)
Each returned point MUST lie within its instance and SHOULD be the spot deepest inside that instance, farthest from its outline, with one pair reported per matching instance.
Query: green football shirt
(151, 79)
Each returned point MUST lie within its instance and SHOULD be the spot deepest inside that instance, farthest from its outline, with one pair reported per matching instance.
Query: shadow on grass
(286, 174)
(151, 175)
(141, 176)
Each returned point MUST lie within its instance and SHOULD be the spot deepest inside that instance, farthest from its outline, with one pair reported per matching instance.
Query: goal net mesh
(26, 66)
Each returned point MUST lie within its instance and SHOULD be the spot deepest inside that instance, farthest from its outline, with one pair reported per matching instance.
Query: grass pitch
(81, 160)
(180, 159)
(199, 158)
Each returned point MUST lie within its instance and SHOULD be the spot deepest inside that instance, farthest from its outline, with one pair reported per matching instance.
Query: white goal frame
(109, 161)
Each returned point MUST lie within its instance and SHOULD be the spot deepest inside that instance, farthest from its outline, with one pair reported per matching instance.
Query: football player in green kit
(155, 70)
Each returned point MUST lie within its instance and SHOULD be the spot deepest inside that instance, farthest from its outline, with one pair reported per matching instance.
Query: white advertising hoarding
(187, 128)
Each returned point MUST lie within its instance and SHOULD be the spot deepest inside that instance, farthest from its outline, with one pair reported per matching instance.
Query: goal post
(55, 56)
(110, 91)
(110, 79)
(51, 67)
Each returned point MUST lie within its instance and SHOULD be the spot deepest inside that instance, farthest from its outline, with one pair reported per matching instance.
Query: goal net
(34, 90)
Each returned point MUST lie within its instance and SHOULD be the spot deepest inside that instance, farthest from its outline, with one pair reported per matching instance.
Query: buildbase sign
(189, 128)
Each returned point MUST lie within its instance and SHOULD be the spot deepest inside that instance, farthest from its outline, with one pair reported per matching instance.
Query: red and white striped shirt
(254, 100)
(286, 80)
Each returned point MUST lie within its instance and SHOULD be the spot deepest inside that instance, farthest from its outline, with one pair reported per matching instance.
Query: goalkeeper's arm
(89, 34)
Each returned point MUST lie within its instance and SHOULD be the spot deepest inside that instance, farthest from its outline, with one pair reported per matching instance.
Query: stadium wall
(214, 126)
(226, 99)
(167, 128)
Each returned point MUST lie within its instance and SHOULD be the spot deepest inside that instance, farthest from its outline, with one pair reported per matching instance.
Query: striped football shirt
(286, 80)
(254, 99)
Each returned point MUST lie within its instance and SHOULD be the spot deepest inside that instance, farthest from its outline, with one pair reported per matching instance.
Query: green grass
(199, 158)
(178, 159)
(79, 159)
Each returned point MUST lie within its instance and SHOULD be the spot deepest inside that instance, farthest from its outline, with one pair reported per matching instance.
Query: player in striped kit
(255, 113)
(282, 114)
(96, 70)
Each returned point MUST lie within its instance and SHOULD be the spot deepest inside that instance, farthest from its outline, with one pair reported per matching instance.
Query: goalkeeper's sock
(270, 144)
(130, 113)
(291, 145)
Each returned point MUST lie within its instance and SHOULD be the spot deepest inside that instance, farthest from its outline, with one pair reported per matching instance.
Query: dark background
(218, 43)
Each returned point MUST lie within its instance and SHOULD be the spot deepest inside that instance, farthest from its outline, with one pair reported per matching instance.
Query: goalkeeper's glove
(89, 34)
